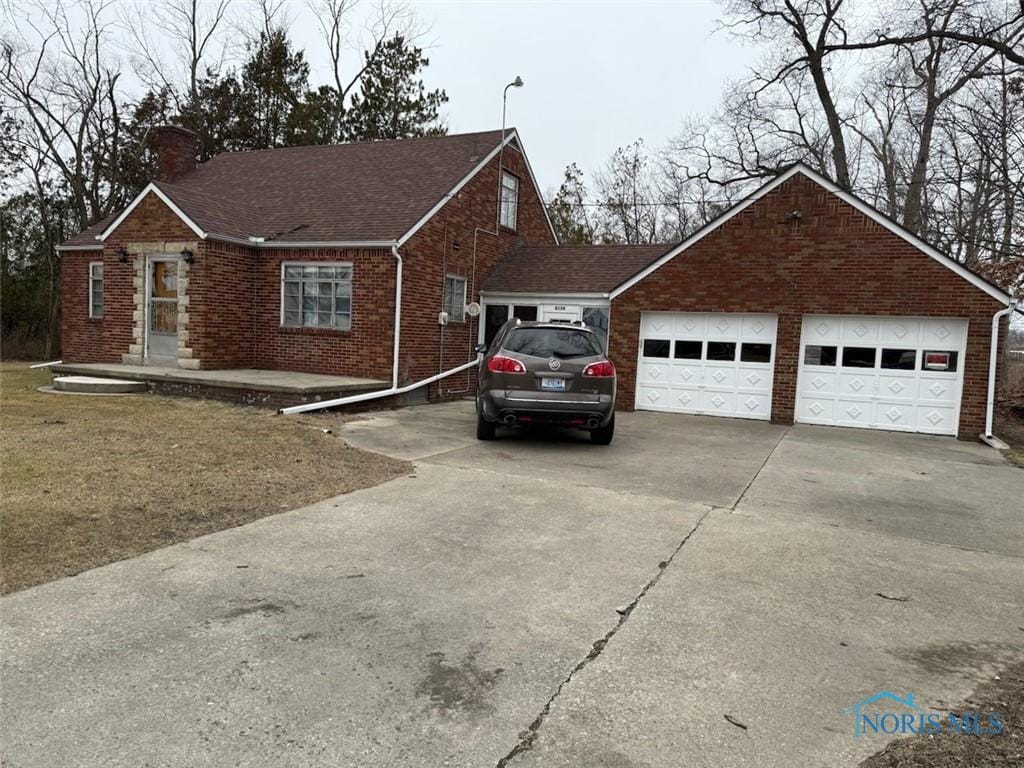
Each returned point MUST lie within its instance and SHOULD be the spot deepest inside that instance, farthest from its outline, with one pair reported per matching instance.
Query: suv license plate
(555, 384)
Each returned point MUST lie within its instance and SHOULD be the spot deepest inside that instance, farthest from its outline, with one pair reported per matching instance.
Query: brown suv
(554, 373)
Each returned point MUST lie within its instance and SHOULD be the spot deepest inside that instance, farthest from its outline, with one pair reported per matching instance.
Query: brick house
(801, 303)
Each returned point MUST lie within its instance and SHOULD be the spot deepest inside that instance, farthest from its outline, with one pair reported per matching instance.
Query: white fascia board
(705, 230)
(846, 197)
(61, 248)
(455, 190)
(151, 187)
(507, 297)
(264, 244)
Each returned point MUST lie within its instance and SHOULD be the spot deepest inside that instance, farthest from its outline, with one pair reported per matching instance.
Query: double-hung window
(96, 289)
(509, 200)
(455, 298)
(316, 295)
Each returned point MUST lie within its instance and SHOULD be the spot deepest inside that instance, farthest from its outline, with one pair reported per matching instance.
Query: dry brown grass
(89, 480)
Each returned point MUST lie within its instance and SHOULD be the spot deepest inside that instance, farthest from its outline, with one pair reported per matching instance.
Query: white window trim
(459, 279)
(93, 315)
(351, 299)
(515, 201)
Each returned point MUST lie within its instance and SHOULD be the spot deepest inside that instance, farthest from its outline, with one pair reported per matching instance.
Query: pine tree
(393, 103)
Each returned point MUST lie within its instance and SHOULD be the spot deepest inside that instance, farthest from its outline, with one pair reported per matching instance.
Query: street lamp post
(517, 83)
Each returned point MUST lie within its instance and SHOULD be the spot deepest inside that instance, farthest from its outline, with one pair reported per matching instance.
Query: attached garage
(867, 325)
(895, 373)
(801, 303)
(714, 363)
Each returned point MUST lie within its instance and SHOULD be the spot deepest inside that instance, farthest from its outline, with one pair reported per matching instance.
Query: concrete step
(96, 386)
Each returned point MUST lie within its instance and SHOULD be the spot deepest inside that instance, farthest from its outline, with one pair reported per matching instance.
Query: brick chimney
(176, 150)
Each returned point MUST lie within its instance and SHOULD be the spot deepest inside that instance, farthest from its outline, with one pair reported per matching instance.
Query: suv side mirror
(480, 349)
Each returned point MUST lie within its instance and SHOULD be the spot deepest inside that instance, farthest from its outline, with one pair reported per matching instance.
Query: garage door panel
(750, 378)
(880, 378)
(896, 414)
(653, 373)
(861, 330)
(902, 388)
(935, 390)
(812, 410)
(943, 334)
(705, 373)
(897, 332)
(690, 327)
(758, 329)
(690, 373)
(825, 330)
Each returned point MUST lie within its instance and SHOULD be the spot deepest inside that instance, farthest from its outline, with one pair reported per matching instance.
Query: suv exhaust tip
(508, 419)
(593, 422)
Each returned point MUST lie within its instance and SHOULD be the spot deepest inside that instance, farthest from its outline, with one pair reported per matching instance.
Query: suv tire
(484, 428)
(603, 435)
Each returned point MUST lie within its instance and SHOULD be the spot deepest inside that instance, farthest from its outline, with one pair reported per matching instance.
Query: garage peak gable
(850, 199)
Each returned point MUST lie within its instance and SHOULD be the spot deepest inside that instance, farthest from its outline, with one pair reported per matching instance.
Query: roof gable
(850, 199)
(368, 193)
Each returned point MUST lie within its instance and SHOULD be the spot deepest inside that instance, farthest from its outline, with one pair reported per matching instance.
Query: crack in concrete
(529, 736)
(761, 468)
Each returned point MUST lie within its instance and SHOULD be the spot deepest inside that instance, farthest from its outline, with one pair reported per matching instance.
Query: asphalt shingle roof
(373, 190)
(571, 268)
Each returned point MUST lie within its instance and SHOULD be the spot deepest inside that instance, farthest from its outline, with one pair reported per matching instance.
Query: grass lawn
(1003, 695)
(86, 481)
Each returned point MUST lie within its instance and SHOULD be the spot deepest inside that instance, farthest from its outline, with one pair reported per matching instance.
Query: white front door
(714, 363)
(161, 309)
(895, 373)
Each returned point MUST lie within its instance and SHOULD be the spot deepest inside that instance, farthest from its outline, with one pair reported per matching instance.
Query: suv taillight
(502, 364)
(603, 368)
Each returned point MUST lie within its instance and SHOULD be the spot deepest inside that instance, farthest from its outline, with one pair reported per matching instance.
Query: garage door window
(656, 347)
(939, 361)
(899, 359)
(859, 357)
(756, 353)
(688, 350)
(722, 350)
(817, 355)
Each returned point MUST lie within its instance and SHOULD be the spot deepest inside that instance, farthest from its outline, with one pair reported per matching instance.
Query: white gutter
(375, 395)
(993, 358)
(46, 365)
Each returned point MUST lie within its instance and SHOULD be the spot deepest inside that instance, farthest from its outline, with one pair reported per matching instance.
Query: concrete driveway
(542, 602)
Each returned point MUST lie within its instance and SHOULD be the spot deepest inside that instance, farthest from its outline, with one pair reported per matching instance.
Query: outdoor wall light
(122, 254)
(188, 256)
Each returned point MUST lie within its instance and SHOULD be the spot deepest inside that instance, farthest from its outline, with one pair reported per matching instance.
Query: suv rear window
(553, 342)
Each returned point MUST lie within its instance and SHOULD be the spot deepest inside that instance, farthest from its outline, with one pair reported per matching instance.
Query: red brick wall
(84, 340)
(234, 292)
(833, 260)
(445, 245)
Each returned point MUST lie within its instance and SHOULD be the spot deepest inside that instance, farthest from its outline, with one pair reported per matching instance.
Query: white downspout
(394, 389)
(993, 359)
(398, 314)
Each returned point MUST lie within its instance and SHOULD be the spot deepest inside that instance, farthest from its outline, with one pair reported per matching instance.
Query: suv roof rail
(579, 323)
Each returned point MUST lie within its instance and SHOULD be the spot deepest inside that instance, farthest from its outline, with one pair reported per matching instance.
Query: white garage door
(711, 363)
(899, 373)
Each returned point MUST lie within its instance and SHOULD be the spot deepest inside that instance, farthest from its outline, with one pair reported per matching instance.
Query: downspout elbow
(993, 359)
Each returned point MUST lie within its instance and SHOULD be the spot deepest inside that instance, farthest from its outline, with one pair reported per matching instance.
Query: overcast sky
(598, 75)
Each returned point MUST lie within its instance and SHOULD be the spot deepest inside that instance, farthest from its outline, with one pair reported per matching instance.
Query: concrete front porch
(249, 386)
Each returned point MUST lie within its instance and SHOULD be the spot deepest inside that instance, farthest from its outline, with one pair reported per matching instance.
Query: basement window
(316, 295)
(96, 289)
(509, 200)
